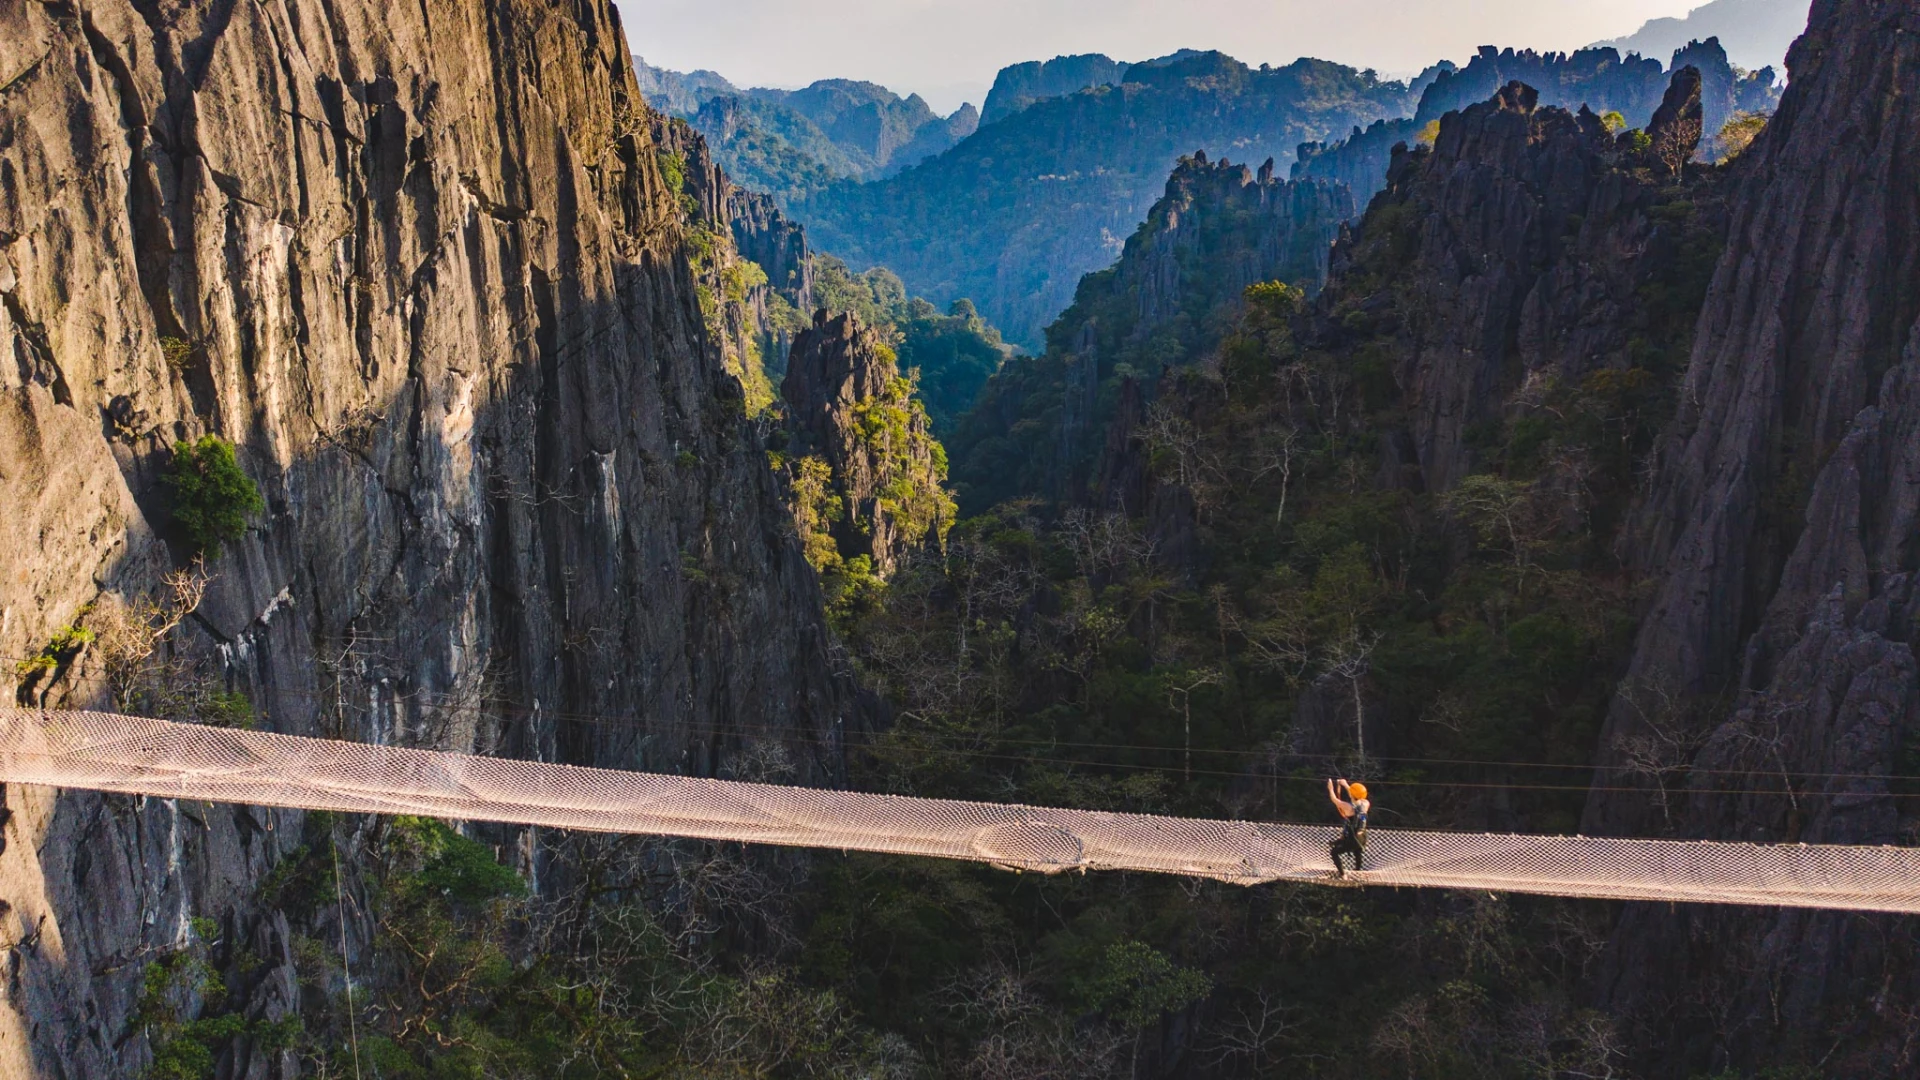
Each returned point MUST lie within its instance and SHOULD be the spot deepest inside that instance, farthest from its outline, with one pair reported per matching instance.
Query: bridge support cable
(131, 755)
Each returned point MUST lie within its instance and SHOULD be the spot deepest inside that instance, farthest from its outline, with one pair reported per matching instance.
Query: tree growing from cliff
(211, 497)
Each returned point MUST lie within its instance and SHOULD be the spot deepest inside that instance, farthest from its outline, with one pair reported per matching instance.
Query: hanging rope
(129, 755)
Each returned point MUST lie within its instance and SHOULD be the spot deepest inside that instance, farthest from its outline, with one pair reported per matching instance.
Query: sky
(949, 50)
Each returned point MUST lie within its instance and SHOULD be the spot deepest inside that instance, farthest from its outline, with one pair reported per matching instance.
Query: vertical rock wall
(848, 405)
(1528, 244)
(1783, 533)
(418, 262)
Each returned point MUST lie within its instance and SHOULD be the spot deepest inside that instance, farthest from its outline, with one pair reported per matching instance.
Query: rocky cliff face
(1781, 531)
(751, 264)
(1596, 79)
(1359, 161)
(1218, 228)
(849, 407)
(420, 264)
(1526, 246)
(1020, 85)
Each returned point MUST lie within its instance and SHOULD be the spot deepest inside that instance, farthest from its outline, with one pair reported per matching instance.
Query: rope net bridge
(130, 755)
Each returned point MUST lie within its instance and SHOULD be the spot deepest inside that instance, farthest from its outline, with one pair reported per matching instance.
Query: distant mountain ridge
(1014, 215)
(1020, 85)
(780, 140)
(1599, 78)
(1756, 33)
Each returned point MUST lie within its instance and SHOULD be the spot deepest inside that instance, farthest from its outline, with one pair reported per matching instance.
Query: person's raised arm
(1334, 788)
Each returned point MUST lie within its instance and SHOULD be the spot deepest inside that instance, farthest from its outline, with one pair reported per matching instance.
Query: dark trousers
(1348, 843)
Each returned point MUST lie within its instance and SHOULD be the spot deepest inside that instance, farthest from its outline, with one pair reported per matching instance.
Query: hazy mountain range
(1755, 33)
(1010, 205)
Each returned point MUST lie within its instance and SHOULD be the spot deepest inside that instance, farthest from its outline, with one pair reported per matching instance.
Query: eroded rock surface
(1782, 529)
(849, 405)
(418, 261)
(1527, 244)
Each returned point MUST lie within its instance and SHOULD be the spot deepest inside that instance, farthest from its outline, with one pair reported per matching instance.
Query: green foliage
(211, 498)
(449, 865)
(188, 1048)
(673, 170)
(62, 647)
(228, 709)
(815, 510)
(1736, 135)
(1138, 984)
(877, 297)
(955, 354)
(892, 427)
(1613, 121)
(176, 353)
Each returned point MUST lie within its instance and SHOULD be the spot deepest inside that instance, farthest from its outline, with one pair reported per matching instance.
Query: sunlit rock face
(419, 263)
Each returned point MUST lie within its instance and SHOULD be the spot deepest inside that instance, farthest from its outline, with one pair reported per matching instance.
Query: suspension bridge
(135, 756)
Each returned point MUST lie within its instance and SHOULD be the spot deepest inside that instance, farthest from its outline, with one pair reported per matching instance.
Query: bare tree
(1182, 685)
(1662, 744)
(1277, 457)
(1350, 657)
(1257, 1026)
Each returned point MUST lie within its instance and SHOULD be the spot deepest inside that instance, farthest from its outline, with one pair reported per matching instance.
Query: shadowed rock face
(1782, 531)
(1522, 245)
(1217, 228)
(1674, 132)
(418, 261)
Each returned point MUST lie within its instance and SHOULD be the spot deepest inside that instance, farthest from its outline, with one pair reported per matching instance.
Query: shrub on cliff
(211, 496)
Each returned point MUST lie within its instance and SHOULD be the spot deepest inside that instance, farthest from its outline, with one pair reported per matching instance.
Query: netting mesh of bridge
(130, 755)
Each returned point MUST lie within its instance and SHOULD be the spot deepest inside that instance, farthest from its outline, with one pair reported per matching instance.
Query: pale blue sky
(948, 50)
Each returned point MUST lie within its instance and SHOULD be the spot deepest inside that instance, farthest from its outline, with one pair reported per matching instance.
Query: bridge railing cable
(131, 755)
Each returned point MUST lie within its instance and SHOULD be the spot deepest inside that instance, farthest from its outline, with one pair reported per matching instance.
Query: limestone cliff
(1595, 78)
(750, 262)
(1780, 529)
(1527, 245)
(850, 408)
(1217, 228)
(420, 263)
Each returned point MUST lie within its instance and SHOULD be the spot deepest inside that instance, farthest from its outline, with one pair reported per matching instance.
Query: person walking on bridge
(1351, 800)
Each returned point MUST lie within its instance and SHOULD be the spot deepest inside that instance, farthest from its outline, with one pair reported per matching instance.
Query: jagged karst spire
(850, 408)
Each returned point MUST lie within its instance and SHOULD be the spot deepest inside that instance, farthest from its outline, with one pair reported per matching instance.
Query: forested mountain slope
(1174, 293)
(1587, 465)
(1013, 216)
(788, 142)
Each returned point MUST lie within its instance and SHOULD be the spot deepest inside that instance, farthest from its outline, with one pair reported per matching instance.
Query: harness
(1355, 828)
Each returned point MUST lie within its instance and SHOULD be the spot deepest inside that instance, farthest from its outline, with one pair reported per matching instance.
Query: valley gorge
(1552, 474)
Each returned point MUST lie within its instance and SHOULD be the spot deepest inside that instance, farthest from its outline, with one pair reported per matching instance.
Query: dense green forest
(954, 353)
